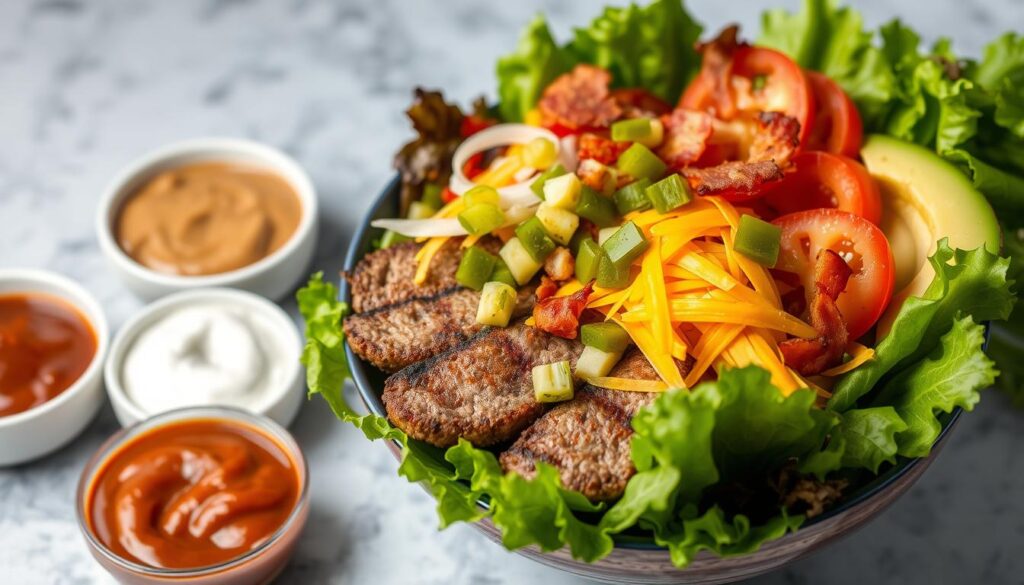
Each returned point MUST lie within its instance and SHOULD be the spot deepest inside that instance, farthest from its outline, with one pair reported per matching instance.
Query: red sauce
(45, 345)
(192, 494)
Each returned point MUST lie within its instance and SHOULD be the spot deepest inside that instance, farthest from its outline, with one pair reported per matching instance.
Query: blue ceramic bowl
(640, 560)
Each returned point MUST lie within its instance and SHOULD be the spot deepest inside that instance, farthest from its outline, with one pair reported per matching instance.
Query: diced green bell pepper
(392, 238)
(758, 240)
(587, 260)
(631, 130)
(611, 274)
(639, 162)
(475, 268)
(597, 208)
(481, 194)
(669, 193)
(633, 197)
(482, 218)
(535, 239)
(501, 273)
(606, 336)
(432, 195)
(626, 244)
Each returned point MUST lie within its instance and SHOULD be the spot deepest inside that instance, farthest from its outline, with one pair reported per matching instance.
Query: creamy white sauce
(204, 354)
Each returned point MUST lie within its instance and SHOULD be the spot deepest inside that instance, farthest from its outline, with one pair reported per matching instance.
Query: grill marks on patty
(481, 390)
(385, 277)
(588, 438)
(455, 379)
(393, 337)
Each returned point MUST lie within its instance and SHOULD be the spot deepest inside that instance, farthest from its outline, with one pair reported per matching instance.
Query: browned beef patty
(480, 390)
(587, 439)
(385, 277)
(393, 337)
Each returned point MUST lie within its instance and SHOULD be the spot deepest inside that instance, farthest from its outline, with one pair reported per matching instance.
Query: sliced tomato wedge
(859, 242)
(758, 80)
(837, 125)
(823, 180)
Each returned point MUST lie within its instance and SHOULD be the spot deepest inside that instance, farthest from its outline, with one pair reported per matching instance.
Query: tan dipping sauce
(208, 218)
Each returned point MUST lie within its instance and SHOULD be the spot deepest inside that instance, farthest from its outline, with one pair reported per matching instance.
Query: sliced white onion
(499, 135)
(422, 228)
(447, 226)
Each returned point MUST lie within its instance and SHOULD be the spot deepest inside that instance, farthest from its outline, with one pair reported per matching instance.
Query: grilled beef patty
(588, 438)
(480, 390)
(385, 277)
(393, 337)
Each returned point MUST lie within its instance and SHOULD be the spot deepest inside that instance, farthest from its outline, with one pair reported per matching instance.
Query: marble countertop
(87, 86)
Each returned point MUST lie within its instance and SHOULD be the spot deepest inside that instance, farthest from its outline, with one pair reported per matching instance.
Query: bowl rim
(209, 149)
(370, 397)
(129, 332)
(88, 307)
(263, 424)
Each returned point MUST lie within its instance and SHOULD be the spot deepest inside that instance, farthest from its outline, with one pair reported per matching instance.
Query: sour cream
(199, 354)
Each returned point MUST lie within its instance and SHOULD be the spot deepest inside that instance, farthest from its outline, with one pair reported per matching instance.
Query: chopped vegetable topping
(535, 239)
(562, 191)
(537, 186)
(597, 208)
(539, 153)
(606, 336)
(560, 224)
(669, 193)
(640, 163)
(475, 268)
(588, 257)
(594, 363)
(553, 382)
(497, 300)
(633, 197)
(482, 218)
(519, 261)
(758, 240)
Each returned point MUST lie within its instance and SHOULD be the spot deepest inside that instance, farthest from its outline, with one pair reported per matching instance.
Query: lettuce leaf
(648, 47)
(827, 38)
(868, 436)
(524, 73)
(952, 376)
(966, 282)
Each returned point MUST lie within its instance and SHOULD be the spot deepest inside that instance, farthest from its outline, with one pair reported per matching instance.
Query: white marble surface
(86, 86)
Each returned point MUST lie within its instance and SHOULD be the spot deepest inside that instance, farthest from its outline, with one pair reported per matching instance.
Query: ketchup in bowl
(45, 346)
(192, 493)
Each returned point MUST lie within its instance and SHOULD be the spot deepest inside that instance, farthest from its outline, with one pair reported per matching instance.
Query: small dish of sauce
(207, 218)
(195, 491)
(45, 346)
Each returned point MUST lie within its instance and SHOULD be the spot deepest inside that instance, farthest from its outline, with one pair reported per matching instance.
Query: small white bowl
(37, 431)
(273, 276)
(281, 403)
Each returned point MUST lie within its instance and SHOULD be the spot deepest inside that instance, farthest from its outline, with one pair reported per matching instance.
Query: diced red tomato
(823, 180)
(837, 125)
(858, 242)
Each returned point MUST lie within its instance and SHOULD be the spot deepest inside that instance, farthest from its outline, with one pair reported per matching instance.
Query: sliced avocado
(924, 199)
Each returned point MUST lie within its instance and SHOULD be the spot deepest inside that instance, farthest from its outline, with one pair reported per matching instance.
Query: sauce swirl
(192, 494)
(207, 218)
(45, 346)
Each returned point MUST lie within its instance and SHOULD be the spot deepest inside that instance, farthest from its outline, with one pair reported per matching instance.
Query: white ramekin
(281, 404)
(37, 431)
(272, 277)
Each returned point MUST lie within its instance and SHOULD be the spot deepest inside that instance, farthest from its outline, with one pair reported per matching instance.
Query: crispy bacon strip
(579, 99)
(813, 356)
(604, 150)
(686, 136)
(547, 289)
(716, 69)
(639, 103)
(738, 176)
(561, 315)
(777, 138)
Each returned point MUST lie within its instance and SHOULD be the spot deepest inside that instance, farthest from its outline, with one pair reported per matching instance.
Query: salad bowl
(637, 559)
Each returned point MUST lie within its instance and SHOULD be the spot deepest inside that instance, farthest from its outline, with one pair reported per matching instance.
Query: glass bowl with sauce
(212, 212)
(53, 342)
(210, 495)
